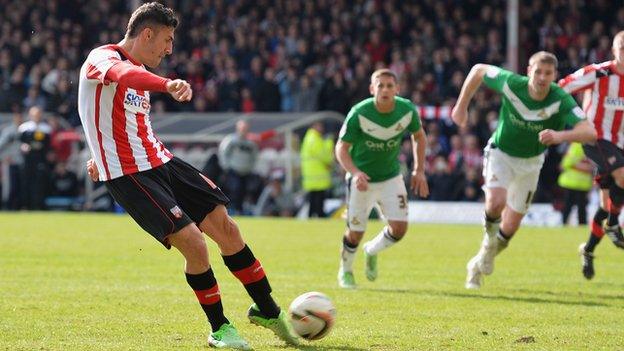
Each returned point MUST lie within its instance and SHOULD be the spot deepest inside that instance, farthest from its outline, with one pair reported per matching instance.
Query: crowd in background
(293, 56)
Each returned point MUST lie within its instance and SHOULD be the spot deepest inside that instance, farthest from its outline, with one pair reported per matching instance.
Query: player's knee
(495, 206)
(354, 237)
(398, 230)
(191, 243)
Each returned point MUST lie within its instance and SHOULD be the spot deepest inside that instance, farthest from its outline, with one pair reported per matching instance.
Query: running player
(533, 114)
(603, 83)
(368, 150)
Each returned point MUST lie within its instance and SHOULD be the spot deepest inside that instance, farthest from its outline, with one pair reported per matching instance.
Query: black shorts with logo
(167, 198)
(607, 157)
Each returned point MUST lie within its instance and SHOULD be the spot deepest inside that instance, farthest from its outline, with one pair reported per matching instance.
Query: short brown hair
(384, 72)
(148, 15)
(544, 57)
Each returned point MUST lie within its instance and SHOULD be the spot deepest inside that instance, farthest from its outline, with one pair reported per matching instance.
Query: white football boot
(474, 276)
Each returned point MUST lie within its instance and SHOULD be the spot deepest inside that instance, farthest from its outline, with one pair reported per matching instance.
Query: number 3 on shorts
(402, 201)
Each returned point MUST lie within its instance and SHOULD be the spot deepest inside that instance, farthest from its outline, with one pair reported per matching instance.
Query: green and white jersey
(521, 118)
(376, 137)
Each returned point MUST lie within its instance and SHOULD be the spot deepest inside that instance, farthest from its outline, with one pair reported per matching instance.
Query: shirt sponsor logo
(381, 145)
(135, 101)
(614, 103)
(520, 123)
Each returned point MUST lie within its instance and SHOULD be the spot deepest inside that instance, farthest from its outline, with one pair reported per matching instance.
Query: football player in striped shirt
(166, 196)
(603, 84)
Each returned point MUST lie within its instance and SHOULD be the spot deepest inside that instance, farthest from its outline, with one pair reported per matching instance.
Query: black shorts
(607, 157)
(167, 198)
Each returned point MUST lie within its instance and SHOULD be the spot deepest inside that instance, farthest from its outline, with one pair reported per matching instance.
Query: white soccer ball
(312, 315)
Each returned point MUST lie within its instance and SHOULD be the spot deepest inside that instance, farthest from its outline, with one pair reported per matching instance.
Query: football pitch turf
(98, 282)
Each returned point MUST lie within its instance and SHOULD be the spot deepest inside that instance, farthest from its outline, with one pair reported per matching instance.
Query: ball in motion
(312, 315)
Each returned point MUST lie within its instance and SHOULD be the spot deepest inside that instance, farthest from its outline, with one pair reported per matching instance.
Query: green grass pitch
(98, 282)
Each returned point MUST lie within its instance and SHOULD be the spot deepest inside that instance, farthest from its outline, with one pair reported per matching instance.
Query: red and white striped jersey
(606, 106)
(116, 119)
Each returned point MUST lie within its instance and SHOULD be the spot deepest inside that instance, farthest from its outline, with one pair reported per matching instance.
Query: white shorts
(390, 196)
(516, 174)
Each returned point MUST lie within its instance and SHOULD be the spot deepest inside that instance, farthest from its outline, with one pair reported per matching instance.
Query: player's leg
(519, 197)
(205, 204)
(497, 174)
(359, 205)
(586, 250)
(199, 275)
(581, 206)
(394, 207)
(568, 203)
(616, 197)
(240, 260)
(148, 198)
(610, 162)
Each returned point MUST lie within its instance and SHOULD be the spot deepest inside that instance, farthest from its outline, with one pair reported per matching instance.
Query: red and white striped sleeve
(99, 61)
(582, 79)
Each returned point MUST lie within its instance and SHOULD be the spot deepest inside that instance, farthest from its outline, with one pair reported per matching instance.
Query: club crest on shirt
(176, 212)
(136, 103)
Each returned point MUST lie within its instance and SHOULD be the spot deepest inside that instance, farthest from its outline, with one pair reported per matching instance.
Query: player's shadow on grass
(310, 347)
(582, 295)
(486, 296)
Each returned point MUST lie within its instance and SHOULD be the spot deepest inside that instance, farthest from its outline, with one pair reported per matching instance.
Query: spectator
(443, 183)
(268, 97)
(306, 95)
(63, 188)
(275, 200)
(35, 145)
(237, 157)
(11, 154)
(333, 95)
(317, 155)
(576, 178)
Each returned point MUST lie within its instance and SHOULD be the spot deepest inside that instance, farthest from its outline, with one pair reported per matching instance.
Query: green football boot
(346, 280)
(371, 266)
(227, 338)
(280, 325)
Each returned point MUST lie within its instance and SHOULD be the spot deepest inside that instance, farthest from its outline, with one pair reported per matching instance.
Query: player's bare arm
(418, 180)
(342, 155)
(583, 132)
(469, 88)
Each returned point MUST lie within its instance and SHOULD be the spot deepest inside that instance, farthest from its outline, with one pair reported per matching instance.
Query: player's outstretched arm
(342, 155)
(469, 88)
(139, 78)
(418, 179)
(583, 132)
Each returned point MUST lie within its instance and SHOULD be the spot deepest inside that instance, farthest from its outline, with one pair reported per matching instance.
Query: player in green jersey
(368, 149)
(533, 115)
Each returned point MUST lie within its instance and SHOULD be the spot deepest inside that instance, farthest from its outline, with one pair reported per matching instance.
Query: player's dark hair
(148, 15)
(384, 72)
(544, 57)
